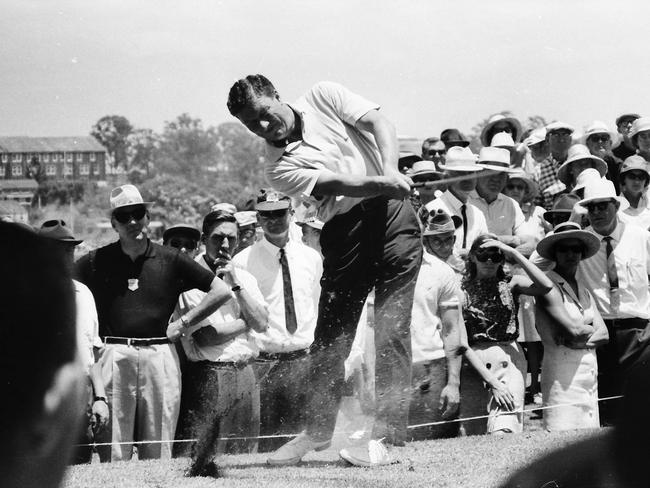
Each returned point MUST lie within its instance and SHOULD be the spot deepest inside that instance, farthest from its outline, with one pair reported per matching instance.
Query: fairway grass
(476, 461)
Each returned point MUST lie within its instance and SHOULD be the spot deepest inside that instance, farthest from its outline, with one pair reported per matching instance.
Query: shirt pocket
(636, 272)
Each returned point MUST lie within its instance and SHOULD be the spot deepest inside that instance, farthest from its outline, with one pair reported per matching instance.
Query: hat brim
(268, 206)
(586, 201)
(192, 232)
(424, 172)
(465, 168)
(589, 240)
(449, 144)
(533, 189)
(638, 168)
(562, 172)
(509, 120)
(551, 213)
(492, 167)
(146, 204)
(612, 135)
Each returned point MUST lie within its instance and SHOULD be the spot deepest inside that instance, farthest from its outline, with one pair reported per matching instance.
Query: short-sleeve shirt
(503, 216)
(435, 289)
(550, 186)
(330, 143)
(490, 310)
(136, 298)
(238, 349)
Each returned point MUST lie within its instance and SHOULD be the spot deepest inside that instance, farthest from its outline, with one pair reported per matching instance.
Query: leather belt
(282, 356)
(136, 341)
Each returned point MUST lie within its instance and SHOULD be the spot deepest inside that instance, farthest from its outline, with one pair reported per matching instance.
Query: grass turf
(476, 461)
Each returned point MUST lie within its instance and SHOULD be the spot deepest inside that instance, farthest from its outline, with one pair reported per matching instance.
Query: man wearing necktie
(288, 274)
(617, 277)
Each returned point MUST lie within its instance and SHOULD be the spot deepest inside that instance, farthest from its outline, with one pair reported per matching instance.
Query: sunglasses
(600, 138)
(273, 214)
(437, 152)
(180, 243)
(125, 216)
(600, 206)
(494, 256)
(564, 248)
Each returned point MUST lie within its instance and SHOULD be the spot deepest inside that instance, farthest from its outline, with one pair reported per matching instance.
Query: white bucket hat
(639, 125)
(597, 127)
(598, 191)
(553, 126)
(578, 152)
(495, 159)
(461, 159)
(502, 139)
(586, 177)
(125, 196)
(634, 162)
(535, 137)
(495, 119)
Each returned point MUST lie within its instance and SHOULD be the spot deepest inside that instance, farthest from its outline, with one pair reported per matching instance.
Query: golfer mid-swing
(335, 149)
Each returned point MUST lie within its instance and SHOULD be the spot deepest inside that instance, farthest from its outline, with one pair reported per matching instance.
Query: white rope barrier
(411, 427)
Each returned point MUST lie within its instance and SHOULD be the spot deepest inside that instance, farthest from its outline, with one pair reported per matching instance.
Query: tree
(141, 150)
(112, 131)
(241, 154)
(186, 148)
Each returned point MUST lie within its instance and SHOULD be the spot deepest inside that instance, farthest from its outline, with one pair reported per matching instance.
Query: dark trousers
(284, 389)
(629, 341)
(374, 245)
(218, 401)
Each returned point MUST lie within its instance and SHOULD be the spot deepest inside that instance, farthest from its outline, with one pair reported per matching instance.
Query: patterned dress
(490, 314)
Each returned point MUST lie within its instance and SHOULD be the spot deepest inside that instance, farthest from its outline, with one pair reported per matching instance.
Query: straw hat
(424, 170)
(498, 118)
(555, 126)
(461, 159)
(563, 205)
(578, 152)
(494, 158)
(597, 127)
(640, 125)
(626, 116)
(634, 162)
(125, 196)
(502, 139)
(599, 191)
(520, 174)
(535, 137)
(564, 231)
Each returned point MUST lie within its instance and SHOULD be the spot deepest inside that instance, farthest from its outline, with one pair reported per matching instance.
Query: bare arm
(600, 335)
(451, 339)
(553, 305)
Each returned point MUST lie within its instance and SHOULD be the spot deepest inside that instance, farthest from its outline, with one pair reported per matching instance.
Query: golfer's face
(267, 118)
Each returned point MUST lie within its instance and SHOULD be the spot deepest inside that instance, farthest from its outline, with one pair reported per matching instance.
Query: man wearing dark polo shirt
(136, 284)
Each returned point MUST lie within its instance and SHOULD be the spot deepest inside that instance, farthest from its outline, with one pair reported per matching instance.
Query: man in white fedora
(579, 158)
(617, 278)
(461, 163)
(136, 284)
(558, 136)
(623, 126)
(599, 139)
(424, 173)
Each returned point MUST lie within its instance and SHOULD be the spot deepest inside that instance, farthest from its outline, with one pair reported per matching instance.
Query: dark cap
(268, 200)
(453, 137)
(57, 229)
(182, 229)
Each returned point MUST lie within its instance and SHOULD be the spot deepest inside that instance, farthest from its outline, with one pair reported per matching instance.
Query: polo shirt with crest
(330, 143)
(136, 298)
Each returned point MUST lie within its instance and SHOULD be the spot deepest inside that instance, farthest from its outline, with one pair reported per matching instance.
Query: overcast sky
(429, 64)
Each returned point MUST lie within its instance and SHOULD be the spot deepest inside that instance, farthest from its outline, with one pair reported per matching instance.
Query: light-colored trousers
(143, 386)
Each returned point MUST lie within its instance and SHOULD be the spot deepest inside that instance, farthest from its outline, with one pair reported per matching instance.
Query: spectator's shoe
(374, 453)
(294, 450)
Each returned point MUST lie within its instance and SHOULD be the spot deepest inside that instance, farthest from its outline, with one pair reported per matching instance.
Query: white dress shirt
(503, 216)
(476, 224)
(262, 260)
(631, 250)
(639, 216)
(239, 349)
(87, 325)
(436, 288)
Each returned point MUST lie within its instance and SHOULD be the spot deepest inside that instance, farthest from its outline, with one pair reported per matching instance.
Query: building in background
(57, 158)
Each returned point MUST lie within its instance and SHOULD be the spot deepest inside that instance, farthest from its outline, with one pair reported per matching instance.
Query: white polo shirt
(503, 216)
(330, 143)
(476, 224)
(262, 260)
(436, 288)
(240, 348)
(631, 249)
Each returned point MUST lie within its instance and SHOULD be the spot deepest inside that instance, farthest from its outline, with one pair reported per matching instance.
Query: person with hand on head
(570, 379)
(579, 159)
(598, 138)
(624, 124)
(136, 284)
(490, 315)
(337, 150)
(220, 397)
(89, 343)
(558, 136)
